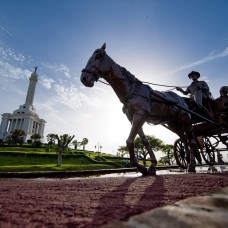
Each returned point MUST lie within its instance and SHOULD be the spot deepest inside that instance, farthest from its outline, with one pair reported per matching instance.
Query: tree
(1, 142)
(169, 154)
(36, 139)
(29, 141)
(16, 137)
(140, 149)
(75, 143)
(164, 160)
(84, 142)
(63, 142)
(123, 150)
(51, 139)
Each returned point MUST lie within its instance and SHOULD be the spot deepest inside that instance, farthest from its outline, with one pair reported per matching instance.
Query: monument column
(5, 124)
(32, 87)
(41, 128)
(25, 117)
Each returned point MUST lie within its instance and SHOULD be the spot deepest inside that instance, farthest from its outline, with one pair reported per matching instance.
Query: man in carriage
(200, 96)
(222, 102)
(197, 89)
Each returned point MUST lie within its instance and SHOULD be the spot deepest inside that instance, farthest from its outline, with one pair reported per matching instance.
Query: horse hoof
(142, 169)
(212, 169)
(191, 169)
(152, 170)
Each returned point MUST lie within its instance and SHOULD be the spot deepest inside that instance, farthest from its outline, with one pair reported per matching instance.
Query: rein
(168, 101)
(149, 83)
(104, 82)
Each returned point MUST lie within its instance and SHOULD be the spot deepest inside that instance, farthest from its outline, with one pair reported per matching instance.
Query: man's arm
(182, 91)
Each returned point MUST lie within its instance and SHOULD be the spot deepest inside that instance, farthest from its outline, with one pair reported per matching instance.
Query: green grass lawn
(29, 164)
(18, 159)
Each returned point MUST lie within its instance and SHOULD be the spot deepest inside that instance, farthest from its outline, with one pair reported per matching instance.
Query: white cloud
(61, 68)
(10, 71)
(10, 54)
(5, 31)
(46, 82)
(68, 96)
(74, 98)
(212, 56)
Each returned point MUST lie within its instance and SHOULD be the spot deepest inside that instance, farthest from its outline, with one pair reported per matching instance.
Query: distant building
(25, 118)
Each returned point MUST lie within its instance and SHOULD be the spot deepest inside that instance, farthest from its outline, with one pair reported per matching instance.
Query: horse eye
(98, 55)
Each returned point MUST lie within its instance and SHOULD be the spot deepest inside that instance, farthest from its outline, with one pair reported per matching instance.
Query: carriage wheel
(179, 154)
(208, 151)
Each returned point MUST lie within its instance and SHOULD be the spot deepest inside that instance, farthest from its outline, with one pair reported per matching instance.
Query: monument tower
(25, 118)
(32, 87)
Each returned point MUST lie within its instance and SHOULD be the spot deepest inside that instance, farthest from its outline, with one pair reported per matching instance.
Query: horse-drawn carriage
(210, 131)
(195, 127)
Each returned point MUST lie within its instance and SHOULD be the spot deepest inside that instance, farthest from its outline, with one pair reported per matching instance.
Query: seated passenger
(197, 89)
(222, 103)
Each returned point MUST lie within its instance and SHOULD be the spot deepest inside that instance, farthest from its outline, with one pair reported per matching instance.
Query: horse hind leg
(137, 123)
(183, 129)
(193, 152)
(191, 142)
(144, 140)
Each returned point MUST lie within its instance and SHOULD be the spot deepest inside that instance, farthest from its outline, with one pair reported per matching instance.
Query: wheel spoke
(179, 154)
(208, 151)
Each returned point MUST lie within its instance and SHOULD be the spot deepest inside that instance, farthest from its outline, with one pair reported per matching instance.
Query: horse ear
(103, 46)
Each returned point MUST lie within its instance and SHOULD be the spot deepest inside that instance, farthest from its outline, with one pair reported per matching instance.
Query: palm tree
(84, 142)
(63, 142)
(51, 139)
(75, 143)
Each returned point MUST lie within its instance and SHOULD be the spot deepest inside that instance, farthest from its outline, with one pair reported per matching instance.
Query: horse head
(95, 68)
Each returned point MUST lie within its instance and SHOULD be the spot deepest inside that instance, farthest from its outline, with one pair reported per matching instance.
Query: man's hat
(194, 73)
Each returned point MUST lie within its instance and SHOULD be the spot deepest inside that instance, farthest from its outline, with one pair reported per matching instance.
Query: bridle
(95, 74)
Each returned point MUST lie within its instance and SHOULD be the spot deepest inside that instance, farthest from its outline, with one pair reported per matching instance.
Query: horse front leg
(145, 142)
(137, 122)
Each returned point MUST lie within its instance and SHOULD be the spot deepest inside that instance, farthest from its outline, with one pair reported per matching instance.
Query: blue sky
(159, 41)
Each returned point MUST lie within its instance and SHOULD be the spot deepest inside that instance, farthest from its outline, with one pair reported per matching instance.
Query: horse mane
(128, 75)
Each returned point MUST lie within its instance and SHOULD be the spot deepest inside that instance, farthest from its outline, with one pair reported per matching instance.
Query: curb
(65, 174)
(210, 210)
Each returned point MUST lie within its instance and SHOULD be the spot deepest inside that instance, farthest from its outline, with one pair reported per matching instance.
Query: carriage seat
(222, 107)
(208, 109)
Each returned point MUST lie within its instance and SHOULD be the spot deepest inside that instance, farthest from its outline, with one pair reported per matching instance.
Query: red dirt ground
(91, 202)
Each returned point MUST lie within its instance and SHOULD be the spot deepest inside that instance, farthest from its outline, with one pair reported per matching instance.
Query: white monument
(25, 118)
